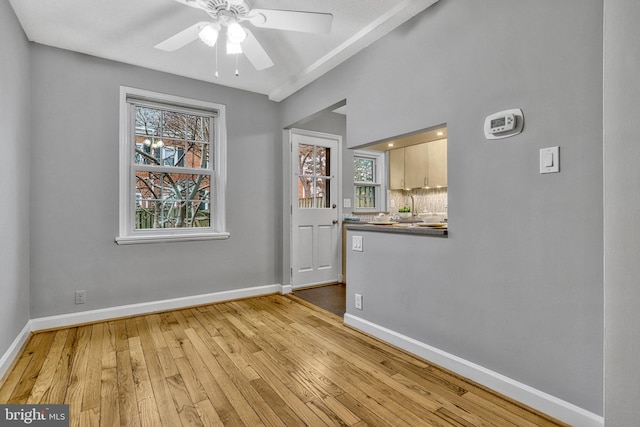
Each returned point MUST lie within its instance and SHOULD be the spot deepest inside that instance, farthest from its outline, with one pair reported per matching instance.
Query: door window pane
(323, 190)
(306, 193)
(314, 181)
(323, 158)
(305, 160)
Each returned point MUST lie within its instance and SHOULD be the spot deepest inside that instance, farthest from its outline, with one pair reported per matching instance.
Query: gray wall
(621, 212)
(16, 124)
(74, 192)
(517, 286)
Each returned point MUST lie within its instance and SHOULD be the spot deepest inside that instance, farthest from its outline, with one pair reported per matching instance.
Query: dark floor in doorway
(330, 297)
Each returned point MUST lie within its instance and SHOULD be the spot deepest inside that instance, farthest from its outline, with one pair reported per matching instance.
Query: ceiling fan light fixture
(235, 33)
(233, 48)
(209, 34)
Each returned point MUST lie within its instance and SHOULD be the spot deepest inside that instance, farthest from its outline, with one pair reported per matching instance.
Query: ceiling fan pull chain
(216, 73)
(237, 72)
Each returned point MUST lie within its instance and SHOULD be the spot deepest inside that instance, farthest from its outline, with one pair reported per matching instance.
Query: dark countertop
(397, 229)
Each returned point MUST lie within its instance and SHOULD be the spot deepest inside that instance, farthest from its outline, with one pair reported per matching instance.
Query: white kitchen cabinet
(437, 163)
(418, 166)
(396, 169)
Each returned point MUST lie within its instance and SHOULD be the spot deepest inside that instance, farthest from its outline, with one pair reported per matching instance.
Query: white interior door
(315, 246)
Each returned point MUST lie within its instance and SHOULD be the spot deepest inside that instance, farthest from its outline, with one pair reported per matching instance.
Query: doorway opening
(331, 297)
(311, 195)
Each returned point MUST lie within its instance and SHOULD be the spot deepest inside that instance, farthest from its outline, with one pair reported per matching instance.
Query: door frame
(288, 205)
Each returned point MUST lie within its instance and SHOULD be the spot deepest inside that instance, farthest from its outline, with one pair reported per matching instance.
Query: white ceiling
(127, 31)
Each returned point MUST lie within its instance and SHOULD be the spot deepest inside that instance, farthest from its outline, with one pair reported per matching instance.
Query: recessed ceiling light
(390, 144)
(440, 133)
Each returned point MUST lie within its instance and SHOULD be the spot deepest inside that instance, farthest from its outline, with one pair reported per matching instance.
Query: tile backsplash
(432, 200)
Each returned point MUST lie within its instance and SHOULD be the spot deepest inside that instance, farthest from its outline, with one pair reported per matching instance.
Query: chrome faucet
(413, 202)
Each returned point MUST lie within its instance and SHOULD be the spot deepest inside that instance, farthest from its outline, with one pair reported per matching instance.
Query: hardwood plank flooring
(268, 361)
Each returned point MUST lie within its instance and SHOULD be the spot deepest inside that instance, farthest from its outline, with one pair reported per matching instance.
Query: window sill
(168, 238)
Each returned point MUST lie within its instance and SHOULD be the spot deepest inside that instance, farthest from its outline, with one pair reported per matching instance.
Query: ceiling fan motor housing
(226, 11)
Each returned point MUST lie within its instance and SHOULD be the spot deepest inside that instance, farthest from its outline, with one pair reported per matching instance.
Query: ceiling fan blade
(308, 22)
(181, 39)
(192, 3)
(255, 53)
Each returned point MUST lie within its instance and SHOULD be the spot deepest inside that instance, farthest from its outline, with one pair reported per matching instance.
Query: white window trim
(380, 184)
(127, 235)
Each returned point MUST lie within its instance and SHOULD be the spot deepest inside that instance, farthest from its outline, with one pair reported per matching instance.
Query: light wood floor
(272, 360)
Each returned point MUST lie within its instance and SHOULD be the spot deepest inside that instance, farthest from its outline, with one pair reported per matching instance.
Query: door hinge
(291, 272)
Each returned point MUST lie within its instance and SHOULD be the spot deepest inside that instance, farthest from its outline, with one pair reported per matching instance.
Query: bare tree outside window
(172, 178)
(313, 176)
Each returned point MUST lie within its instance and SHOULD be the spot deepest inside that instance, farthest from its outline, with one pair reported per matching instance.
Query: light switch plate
(358, 301)
(346, 203)
(356, 243)
(550, 160)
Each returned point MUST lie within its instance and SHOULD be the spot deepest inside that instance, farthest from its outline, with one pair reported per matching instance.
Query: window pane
(305, 192)
(148, 121)
(323, 159)
(168, 138)
(365, 196)
(143, 155)
(172, 200)
(314, 193)
(323, 190)
(198, 128)
(363, 169)
(206, 128)
(197, 155)
(174, 125)
(170, 153)
(305, 160)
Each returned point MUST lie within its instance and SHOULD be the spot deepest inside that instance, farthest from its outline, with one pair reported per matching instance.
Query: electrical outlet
(81, 297)
(358, 301)
(356, 243)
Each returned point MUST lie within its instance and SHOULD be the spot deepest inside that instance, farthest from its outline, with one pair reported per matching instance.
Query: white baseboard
(70, 319)
(286, 289)
(529, 396)
(12, 352)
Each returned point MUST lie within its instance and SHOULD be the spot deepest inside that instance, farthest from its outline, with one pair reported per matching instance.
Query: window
(172, 168)
(314, 176)
(368, 179)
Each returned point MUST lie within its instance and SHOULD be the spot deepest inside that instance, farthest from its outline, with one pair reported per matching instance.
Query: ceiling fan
(230, 14)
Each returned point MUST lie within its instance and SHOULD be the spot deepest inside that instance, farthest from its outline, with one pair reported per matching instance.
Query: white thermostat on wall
(503, 124)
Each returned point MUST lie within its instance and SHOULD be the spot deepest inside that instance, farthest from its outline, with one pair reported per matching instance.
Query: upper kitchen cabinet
(396, 169)
(437, 163)
(418, 166)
